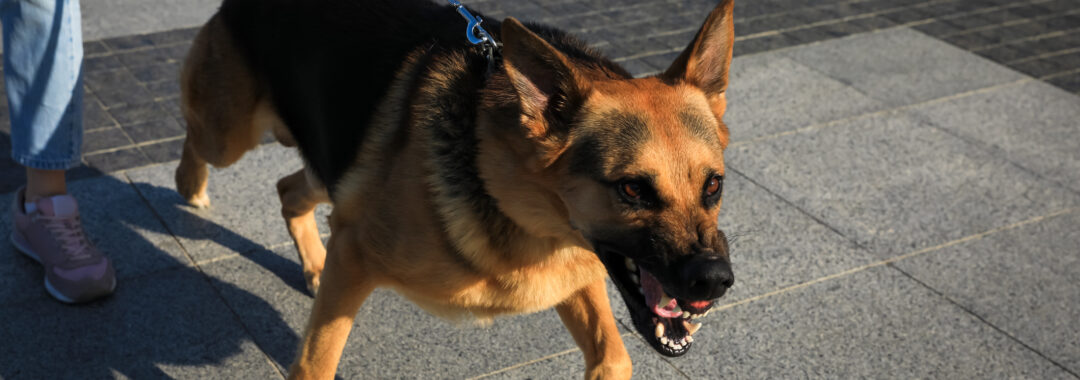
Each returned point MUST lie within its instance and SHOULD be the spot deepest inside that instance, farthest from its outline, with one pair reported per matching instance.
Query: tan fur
(390, 231)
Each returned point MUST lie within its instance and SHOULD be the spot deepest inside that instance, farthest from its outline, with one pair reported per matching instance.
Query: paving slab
(116, 219)
(895, 184)
(169, 325)
(1032, 124)
(900, 66)
(1023, 281)
(647, 365)
(392, 338)
(875, 323)
(774, 245)
(769, 94)
(245, 213)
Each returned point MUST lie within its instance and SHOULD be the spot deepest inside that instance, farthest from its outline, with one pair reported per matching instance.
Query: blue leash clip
(486, 41)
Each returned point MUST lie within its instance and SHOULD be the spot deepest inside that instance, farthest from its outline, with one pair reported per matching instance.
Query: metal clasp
(486, 42)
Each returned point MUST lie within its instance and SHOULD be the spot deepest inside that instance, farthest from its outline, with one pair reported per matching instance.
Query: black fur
(328, 63)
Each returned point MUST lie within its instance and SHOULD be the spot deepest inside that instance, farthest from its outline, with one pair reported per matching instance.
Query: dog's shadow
(168, 318)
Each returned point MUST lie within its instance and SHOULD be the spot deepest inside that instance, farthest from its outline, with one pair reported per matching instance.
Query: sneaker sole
(24, 247)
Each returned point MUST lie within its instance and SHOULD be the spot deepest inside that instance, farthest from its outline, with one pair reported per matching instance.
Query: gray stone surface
(873, 324)
(116, 219)
(392, 338)
(1023, 281)
(901, 66)
(647, 365)
(1032, 124)
(245, 213)
(774, 245)
(168, 325)
(895, 184)
(768, 95)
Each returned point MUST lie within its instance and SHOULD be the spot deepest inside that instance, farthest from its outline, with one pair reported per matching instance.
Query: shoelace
(70, 234)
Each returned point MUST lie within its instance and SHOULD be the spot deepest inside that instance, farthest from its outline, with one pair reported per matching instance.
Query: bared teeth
(634, 278)
(691, 327)
(664, 340)
(686, 315)
(689, 339)
(659, 330)
(630, 265)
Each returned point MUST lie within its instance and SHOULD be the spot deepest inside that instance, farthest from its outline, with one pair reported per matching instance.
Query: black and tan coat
(473, 193)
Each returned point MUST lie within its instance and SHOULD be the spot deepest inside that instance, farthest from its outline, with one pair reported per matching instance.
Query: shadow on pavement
(166, 319)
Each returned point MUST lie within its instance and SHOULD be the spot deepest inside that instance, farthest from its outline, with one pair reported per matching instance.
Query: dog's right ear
(546, 84)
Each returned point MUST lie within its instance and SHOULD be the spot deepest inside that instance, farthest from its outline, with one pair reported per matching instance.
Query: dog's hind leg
(345, 286)
(224, 109)
(587, 314)
(300, 192)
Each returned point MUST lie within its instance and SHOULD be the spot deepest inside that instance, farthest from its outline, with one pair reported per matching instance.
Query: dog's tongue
(654, 296)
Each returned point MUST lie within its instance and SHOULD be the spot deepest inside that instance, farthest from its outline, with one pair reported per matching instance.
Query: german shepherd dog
(473, 190)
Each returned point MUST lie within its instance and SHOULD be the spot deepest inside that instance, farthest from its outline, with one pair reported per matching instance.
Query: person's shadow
(167, 318)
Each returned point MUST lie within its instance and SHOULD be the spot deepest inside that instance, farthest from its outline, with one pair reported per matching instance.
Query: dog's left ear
(705, 62)
(546, 84)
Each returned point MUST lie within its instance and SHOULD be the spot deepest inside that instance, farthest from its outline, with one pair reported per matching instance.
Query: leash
(492, 49)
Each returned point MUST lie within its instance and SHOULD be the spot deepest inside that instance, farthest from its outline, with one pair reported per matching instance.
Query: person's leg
(43, 79)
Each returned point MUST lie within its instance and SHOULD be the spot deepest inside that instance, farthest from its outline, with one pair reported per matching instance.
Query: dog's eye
(714, 185)
(631, 190)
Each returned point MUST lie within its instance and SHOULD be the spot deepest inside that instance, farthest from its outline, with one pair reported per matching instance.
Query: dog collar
(478, 36)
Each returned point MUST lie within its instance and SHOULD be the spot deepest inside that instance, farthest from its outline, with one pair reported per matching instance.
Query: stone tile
(871, 324)
(166, 71)
(1024, 281)
(167, 325)
(1032, 124)
(774, 245)
(896, 184)
(164, 89)
(130, 42)
(157, 129)
(94, 48)
(245, 214)
(94, 115)
(116, 87)
(762, 44)
(1040, 67)
(647, 365)
(173, 36)
(133, 113)
(901, 66)
(1070, 83)
(172, 106)
(115, 218)
(163, 151)
(108, 138)
(770, 94)
(101, 63)
(142, 57)
(117, 160)
(391, 337)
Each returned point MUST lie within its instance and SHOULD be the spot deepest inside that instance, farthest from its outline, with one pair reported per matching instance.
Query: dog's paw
(199, 201)
(312, 282)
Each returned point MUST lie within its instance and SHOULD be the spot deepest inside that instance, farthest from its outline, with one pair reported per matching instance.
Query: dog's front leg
(345, 285)
(587, 314)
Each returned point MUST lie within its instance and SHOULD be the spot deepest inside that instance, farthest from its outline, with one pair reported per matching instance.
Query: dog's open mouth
(666, 322)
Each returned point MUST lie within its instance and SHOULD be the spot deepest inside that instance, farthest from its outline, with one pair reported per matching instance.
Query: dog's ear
(705, 62)
(545, 81)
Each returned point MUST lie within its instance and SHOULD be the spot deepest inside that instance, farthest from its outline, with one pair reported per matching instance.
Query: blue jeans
(43, 77)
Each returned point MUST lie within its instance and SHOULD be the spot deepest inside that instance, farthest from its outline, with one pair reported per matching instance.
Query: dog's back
(328, 62)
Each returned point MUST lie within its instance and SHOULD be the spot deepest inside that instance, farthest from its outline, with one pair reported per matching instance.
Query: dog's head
(641, 168)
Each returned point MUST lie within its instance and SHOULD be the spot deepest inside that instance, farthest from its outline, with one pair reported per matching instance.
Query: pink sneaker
(75, 271)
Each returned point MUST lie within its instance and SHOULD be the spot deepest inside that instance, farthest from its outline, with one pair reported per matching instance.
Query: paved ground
(904, 190)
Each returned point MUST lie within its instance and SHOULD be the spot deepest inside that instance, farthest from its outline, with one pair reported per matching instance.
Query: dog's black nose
(703, 277)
